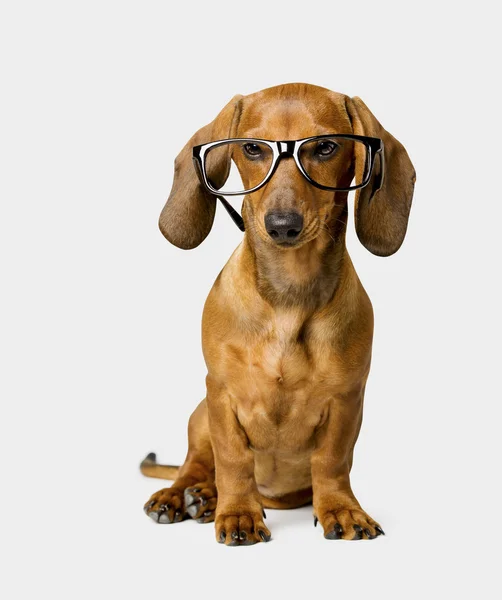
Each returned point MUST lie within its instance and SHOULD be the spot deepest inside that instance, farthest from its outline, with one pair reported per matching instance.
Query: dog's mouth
(287, 244)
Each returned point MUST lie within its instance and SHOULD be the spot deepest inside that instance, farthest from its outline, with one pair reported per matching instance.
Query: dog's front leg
(335, 505)
(239, 513)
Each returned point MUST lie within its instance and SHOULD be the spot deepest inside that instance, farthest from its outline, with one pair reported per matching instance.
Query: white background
(100, 318)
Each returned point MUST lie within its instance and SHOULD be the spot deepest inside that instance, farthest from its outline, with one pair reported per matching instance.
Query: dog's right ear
(188, 215)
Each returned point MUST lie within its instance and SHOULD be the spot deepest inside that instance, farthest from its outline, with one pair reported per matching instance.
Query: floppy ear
(188, 215)
(381, 217)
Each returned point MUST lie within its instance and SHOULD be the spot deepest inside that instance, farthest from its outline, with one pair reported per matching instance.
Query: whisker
(324, 228)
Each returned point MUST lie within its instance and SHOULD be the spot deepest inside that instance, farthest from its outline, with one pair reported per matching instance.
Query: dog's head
(289, 211)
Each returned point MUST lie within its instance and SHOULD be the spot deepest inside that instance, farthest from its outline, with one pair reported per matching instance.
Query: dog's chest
(280, 384)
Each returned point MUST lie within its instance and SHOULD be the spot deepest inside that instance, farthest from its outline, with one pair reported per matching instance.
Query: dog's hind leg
(193, 492)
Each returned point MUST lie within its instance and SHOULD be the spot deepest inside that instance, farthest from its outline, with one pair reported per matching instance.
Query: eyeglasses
(324, 160)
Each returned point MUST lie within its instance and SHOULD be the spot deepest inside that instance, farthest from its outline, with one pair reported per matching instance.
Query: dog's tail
(150, 468)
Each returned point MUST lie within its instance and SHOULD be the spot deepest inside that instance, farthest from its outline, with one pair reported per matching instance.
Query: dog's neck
(305, 277)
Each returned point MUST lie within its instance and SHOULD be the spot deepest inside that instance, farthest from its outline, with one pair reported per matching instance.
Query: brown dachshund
(287, 327)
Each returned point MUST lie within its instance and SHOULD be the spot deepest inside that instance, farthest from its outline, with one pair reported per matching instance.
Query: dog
(287, 327)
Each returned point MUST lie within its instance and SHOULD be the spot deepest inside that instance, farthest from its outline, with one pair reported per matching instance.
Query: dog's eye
(326, 148)
(252, 150)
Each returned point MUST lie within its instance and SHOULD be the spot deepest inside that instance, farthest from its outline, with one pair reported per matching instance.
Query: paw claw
(264, 536)
(234, 538)
(336, 533)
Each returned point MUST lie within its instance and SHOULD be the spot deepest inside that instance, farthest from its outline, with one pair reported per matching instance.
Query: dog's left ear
(381, 217)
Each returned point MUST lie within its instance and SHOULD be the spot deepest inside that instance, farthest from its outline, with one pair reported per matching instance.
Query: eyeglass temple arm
(234, 215)
(380, 175)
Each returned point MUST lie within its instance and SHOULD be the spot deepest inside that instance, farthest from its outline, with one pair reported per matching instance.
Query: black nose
(283, 227)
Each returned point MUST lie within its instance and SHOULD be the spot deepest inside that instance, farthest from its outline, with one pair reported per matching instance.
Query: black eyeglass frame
(290, 148)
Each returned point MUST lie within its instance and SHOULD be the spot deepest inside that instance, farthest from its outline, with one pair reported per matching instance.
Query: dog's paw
(236, 528)
(200, 501)
(166, 506)
(348, 524)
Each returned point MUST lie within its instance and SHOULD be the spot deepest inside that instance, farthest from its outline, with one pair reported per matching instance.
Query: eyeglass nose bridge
(286, 148)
